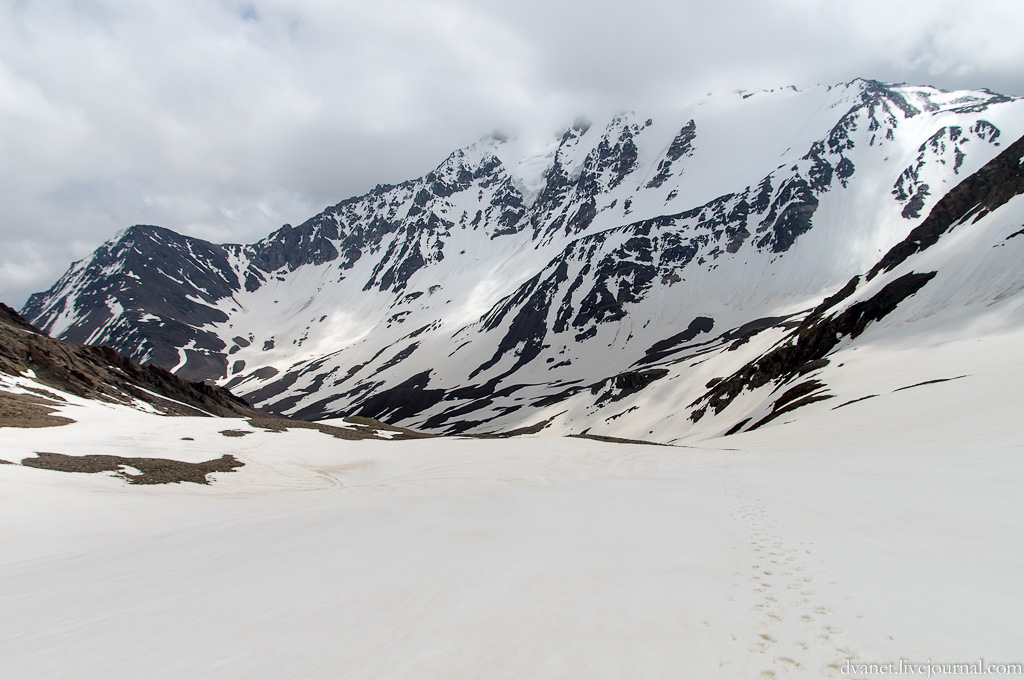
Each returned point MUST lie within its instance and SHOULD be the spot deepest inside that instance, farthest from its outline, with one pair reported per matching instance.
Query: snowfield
(779, 553)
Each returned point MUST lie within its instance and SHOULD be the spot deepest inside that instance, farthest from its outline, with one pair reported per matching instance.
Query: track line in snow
(796, 631)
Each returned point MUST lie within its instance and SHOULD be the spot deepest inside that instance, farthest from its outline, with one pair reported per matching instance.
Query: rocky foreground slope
(101, 373)
(43, 380)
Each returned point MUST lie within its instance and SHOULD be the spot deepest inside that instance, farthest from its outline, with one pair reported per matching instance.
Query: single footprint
(767, 675)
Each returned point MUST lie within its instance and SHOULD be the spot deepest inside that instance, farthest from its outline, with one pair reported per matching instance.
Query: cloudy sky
(225, 119)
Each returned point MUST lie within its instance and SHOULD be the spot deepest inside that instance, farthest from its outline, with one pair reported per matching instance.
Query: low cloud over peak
(226, 119)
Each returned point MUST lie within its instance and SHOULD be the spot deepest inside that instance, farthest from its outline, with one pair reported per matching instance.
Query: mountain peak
(518, 275)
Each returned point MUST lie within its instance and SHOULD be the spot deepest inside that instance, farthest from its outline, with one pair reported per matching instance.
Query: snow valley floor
(780, 553)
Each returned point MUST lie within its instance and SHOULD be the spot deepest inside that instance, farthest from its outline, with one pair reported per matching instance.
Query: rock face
(508, 285)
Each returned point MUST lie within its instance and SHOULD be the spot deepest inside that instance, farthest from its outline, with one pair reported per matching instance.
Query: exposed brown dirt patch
(154, 470)
(26, 410)
(616, 440)
(363, 428)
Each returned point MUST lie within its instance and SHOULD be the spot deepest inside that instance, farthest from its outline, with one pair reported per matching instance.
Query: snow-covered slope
(937, 307)
(830, 541)
(598, 283)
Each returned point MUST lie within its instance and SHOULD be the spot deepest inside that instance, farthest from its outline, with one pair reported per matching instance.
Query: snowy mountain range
(757, 255)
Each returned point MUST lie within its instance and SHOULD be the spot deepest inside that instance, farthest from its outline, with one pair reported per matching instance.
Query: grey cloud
(226, 119)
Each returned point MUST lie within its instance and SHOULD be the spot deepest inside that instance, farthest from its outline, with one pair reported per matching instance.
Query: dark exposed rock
(832, 300)
(624, 384)
(529, 326)
(293, 247)
(402, 401)
(681, 146)
(854, 401)
(265, 373)
(622, 277)
(944, 146)
(753, 327)
(482, 396)
(737, 427)
(794, 398)
(928, 382)
(789, 216)
(615, 160)
(997, 182)
(398, 358)
(159, 277)
(809, 344)
(673, 344)
(916, 202)
(11, 318)
(271, 390)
